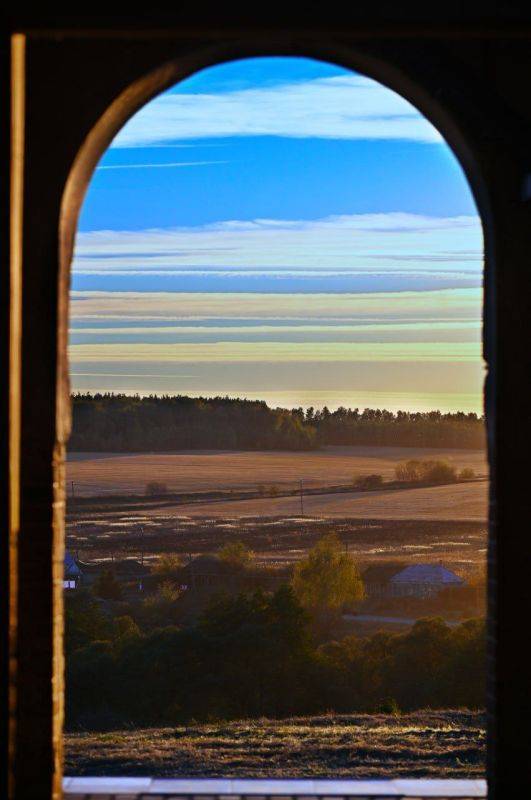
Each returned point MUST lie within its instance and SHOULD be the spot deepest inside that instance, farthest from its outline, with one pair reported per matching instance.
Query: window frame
(488, 138)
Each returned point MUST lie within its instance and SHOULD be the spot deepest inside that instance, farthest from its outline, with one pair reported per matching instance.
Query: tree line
(254, 655)
(123, 423)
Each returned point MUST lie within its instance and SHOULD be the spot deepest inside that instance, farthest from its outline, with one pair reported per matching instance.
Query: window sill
(214, 788)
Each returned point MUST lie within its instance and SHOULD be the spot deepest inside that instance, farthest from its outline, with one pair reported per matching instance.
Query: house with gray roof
(424, 580)
(392, 579)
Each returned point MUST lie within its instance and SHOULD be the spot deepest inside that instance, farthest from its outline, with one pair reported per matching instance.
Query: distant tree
(167, 565)
(368, 481)
(258, 654)
(124, 630)
(124, 626)
(156, 487)
(408, 471)
(273, 491)
(161, 608)
(84, 621)
(237, 554)
(415, 471)
(89, 679)
(438, 472)
(466, 661)
(327, 579)
(107, 587)
(168, 592)
(417, 674)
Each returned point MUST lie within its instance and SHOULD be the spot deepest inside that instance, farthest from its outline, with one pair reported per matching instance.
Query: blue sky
(286, 229)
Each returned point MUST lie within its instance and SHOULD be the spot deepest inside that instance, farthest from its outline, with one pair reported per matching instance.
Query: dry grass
(446, 744)
(97, 474)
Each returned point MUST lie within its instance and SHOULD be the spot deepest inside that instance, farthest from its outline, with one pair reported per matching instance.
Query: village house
(207, 571)
(424, 580)
(72, 574)
(414, 580)
(130, 572)
(376, 578)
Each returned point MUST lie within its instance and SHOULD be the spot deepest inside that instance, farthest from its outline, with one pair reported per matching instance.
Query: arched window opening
(277, 475)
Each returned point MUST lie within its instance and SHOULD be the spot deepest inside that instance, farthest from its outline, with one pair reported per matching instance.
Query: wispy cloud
(341, 107)
(168, 165)
(391, 332)
(444, 305)
(278, 352)
(126, 375)
(244, 330)
(406, 242)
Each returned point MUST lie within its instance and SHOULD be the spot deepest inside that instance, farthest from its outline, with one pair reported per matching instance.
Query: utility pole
(142, 545)
(302, 501)
(192, 569)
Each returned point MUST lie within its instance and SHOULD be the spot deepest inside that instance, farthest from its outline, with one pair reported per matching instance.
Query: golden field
(465, 501)
(97, 474)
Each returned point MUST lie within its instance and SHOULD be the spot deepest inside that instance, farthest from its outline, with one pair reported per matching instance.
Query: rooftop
(427, 573)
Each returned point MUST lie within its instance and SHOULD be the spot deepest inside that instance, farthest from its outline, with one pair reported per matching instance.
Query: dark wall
(470, 74)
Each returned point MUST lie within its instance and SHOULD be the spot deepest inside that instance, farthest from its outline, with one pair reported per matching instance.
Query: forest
(123, 423)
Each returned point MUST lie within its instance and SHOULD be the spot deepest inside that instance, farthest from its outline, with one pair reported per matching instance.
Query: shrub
(161, 608)
(155, 487)
(237, 554)
(368, 481)
(170, 592)
(85, 622)
(107, 587)
(124, 629)
(438, 472)
(467, 474)
(408, 471)
(414, 471)
(167, 565)
(389, 706)
(273, 491)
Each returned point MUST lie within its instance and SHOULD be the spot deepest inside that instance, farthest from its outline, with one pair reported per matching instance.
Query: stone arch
(468, 131)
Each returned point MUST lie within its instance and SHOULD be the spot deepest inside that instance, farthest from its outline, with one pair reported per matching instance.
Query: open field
(279, 540)
(97, 474)
(465, 501)
(444, 523)
(447, 744)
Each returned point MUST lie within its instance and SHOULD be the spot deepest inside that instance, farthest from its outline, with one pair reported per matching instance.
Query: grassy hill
(447, 744)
